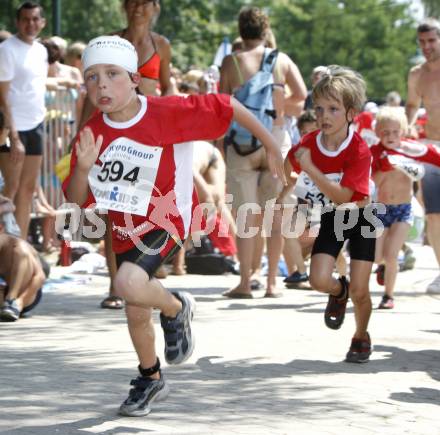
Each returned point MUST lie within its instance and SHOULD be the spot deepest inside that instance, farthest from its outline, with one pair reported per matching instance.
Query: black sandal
(112, 303)
(336, 306)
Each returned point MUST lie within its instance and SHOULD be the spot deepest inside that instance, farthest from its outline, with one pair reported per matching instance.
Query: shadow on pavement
(418, 395)
(58, 385)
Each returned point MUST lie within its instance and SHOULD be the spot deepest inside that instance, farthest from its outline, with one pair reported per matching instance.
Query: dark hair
(152, 1)
(428, 25)
(29, 5)
(53, 51)
(253, 23)
(307, 116)
(2, 121)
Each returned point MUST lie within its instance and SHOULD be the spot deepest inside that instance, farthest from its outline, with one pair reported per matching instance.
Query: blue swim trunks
(396, 213)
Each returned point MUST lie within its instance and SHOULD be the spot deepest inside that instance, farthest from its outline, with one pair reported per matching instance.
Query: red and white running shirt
(416, 151)
(349, 165)
(146, 163)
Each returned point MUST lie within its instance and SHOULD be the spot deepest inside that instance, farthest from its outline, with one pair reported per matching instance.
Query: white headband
(111, 50)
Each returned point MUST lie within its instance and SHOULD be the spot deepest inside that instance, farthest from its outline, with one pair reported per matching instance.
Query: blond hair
(390, 113)
(344, 84)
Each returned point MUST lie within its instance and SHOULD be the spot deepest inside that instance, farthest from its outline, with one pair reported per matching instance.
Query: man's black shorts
(32, 141)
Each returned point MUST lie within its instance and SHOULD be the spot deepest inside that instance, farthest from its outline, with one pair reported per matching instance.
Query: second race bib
(306, 189)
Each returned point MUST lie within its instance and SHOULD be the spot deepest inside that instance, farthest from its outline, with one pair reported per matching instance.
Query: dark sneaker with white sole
(360, 350)
(296, 278)
(144, 393)
(179, 340)
(9, 312)
(386, 303)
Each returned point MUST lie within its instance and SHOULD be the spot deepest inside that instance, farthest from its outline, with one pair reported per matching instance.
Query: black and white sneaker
(144, 393)
(179, 340)
(9, 312)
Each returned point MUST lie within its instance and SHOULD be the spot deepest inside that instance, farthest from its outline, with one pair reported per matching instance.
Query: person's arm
(17, 148)
(425, 153)
(413, 101)
(225, 71)
(294, 104)
(202, 188)
(291, 177)
(87, 151)
(247, 120)
(166, 87)
(337, 193)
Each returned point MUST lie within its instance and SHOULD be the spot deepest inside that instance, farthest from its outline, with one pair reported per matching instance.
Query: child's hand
(87, 150)
(275, 162)
(302, 156)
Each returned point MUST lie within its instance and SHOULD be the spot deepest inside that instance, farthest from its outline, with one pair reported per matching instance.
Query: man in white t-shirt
(23, 73)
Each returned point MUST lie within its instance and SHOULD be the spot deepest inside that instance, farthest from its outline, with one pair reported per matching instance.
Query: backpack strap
(269, 60)
(237, 67)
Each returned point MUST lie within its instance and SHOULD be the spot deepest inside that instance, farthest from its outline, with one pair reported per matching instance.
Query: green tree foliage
(375, 37)
(432, 8)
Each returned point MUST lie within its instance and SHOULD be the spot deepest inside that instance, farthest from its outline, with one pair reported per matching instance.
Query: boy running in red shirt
(334, 169)
(125, 160)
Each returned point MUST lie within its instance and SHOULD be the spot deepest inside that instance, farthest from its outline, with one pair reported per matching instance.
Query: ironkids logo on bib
(125, 180)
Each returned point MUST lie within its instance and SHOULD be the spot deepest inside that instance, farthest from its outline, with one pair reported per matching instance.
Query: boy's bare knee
(359, 296)
(137, 316)
(320, 283)
(120, 284)
(127, 281)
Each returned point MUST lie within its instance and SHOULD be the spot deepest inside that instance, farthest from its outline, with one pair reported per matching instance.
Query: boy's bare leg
(360, 295)
(112, 269)
(134, 285)
(141, 294)
(141, 329)
(397, 234)
(380, 243)
(321, 274)
(341, 264)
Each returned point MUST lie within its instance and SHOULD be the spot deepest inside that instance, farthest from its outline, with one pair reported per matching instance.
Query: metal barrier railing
(59, 130)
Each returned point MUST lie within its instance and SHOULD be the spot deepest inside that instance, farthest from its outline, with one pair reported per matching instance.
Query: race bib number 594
(125, 180)
(306, 189)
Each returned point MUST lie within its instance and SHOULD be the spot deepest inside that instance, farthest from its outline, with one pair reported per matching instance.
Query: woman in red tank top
(154, 53)
(154, 50)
